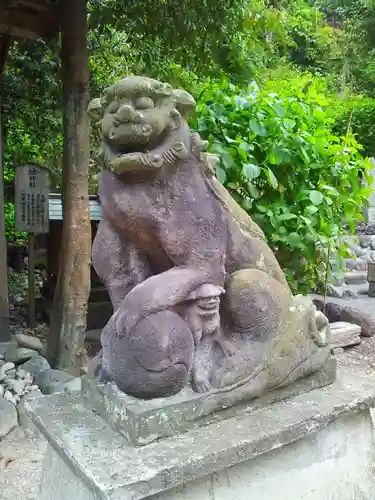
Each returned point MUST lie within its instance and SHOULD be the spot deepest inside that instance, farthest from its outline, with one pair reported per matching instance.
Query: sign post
(31, 216)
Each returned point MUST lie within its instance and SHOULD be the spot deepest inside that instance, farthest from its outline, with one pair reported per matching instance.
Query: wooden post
(31, 278)
(4, 294)
(69, 309)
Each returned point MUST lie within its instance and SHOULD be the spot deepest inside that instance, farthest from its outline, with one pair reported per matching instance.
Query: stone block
(355, 278)
(316, 446)
(144, 421)
(344, 334)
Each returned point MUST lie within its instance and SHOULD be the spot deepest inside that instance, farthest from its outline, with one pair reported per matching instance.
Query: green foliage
(284, 165)
(358, 114)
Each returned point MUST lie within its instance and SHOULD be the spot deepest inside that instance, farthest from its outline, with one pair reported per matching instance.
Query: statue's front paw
(202, 385)
(322, 333)
(227, 348)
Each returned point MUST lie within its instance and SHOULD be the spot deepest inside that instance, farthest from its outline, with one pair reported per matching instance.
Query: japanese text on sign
(31, 199)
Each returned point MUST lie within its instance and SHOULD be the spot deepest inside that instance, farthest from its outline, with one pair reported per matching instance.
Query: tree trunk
(4, 296)
(69, 309)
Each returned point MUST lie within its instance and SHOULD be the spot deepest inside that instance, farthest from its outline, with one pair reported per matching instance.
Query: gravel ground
(19, 480)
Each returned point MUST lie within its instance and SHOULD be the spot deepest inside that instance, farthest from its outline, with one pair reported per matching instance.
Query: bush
(283, 164)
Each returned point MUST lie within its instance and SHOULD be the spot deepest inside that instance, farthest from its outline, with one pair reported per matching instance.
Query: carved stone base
(317, 445)
(144, 421)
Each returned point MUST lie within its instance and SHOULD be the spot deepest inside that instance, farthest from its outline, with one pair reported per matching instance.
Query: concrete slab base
(317, 445)
(145, 421)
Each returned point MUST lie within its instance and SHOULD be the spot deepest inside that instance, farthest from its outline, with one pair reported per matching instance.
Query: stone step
(344, 334)
(355, 278)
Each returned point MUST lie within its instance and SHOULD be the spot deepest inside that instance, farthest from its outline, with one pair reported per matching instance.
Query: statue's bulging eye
(144, 103)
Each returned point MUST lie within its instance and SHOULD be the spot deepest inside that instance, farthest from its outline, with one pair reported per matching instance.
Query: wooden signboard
(31, 199)
(31, 216)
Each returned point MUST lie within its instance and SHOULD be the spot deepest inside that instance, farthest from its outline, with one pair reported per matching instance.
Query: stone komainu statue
(199, 298)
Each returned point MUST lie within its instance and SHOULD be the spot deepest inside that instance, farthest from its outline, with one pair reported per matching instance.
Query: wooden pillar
(4, 296)
(68, 318)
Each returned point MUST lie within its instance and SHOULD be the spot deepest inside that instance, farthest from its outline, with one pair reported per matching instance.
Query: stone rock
(355, 278)
(5, 369)
(335, 291)
(72, 385)
(357, 250)
(30, 342)
(16, 386)
(8, 396)
(23, 418)
(8, 417)
(337, 279)
(344, 334)
(21, 373)
(360, 312)
(19, 355)
(36, 365)
(337, 351)
(51, 381)
(372, 242)
(350, 293)
(357, 264)
(364, 240)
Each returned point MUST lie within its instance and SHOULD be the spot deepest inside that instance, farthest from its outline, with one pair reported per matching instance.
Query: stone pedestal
(317, 445)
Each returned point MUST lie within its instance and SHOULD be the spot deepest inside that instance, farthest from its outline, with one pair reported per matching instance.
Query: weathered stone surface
(364, 240)
(70, 386)
(335, 291)
(355, 277)
(16, 386)
(36, 365)
(340, 456)
(142, 421)
(105, 466)
(5, 369)
(361, 311)
(344, 334)
(173, 326)
(8, 417)
(358, 264)
(51, 381)
(337, 279)
(3, 347)
(18, 354)
(23, 418)
(338, 351)
(29, 341)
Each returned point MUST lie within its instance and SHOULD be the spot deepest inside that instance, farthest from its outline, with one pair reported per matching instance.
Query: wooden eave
(30, 19)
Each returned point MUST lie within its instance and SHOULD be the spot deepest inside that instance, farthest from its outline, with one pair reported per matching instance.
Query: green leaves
(251, 171)
(285, 166)
(271, 178)
(257, 127)
(316, 197)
